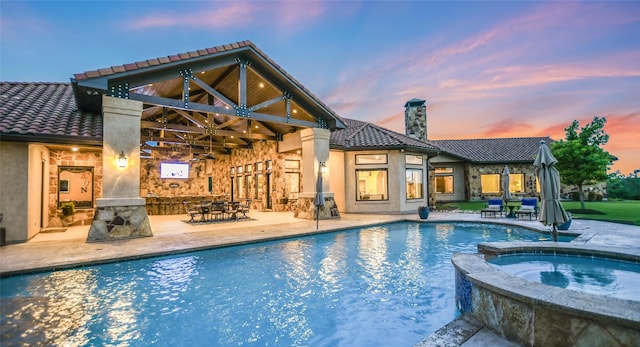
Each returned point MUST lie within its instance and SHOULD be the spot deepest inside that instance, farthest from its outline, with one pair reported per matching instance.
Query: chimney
(415, 119)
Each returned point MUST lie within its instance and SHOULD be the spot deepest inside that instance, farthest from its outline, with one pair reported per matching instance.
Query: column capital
(314, 133)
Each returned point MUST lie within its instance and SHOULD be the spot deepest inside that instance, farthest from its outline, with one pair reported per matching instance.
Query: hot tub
(596, 275)
(534, 313)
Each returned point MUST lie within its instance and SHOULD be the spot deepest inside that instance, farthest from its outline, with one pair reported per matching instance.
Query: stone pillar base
(307, 210)
(117, 219)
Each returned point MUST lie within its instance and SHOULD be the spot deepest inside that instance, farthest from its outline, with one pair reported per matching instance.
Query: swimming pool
(388, 285)
(601, 276)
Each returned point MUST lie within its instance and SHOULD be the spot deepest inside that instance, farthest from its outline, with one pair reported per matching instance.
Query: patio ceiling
(208, 101)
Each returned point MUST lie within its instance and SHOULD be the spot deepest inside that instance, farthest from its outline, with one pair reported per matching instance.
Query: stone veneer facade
(474, 189)
(219, 170)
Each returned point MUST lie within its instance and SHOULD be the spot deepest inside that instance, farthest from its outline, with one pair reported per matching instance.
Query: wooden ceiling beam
(198, 130)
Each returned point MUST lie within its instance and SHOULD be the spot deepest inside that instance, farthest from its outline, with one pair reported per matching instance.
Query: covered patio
(222, 123)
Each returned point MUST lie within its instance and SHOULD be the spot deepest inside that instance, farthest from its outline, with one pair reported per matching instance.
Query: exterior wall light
(122, 160)
(323, 168)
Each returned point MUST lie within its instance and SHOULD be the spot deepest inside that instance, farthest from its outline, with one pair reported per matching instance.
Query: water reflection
(333, 264)
(443, 232)
(372, 253)
(411, 264)
(54, 310)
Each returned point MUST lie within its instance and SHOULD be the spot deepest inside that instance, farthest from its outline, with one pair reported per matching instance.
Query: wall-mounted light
(122, 160)
(323, 167)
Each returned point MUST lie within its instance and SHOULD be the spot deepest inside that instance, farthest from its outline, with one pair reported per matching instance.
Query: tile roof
(363, 135)
(161, 60)
(495, 150)
(45, 112)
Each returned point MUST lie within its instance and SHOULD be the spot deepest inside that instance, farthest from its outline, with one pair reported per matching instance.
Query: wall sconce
(122, 160)
(323, 168)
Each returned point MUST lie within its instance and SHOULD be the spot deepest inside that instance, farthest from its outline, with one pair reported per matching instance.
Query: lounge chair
(494, 206)
(529, 208)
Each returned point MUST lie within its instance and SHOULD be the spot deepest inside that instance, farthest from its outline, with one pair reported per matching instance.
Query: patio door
(268, 196)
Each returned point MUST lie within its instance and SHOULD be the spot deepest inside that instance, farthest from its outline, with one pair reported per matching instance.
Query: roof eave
(54, 139)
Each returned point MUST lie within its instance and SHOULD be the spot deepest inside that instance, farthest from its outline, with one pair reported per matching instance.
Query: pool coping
(197, 241)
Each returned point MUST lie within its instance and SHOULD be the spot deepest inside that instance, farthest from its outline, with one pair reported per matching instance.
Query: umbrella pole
(555, 233)
(317, 217)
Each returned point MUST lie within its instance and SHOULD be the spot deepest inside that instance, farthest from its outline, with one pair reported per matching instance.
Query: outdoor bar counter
(175, 204)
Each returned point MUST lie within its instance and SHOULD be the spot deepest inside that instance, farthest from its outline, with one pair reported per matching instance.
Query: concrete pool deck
(58, 250)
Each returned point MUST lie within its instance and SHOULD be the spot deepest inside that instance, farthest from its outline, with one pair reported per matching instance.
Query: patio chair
(529, 208)
(232, 209)
(192, 212)
(244, 208)
(494, 206)
(218, 210)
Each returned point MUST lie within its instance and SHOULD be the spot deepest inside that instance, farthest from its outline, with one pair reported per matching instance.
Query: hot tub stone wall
(534, 314)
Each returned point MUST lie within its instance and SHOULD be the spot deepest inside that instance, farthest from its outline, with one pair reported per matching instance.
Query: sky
(486, 69)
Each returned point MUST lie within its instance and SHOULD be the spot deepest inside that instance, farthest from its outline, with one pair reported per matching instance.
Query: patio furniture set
(210, 211)
(496, 208)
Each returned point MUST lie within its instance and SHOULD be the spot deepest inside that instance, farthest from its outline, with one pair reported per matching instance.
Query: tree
(581, 159)
(621, 187)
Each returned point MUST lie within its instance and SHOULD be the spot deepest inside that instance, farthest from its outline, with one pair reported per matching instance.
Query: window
(239, 170)
(444, 184)
(259, 167)
(372, 184)
(413, 159)
(292, 164)
(248, 185)
(248, 168)
(443, 170)
(444, 180)
(490, 183)
(292, 182)
(414, 184)
(371, 158)
(516, 183)
(259, 183)
(240, 187)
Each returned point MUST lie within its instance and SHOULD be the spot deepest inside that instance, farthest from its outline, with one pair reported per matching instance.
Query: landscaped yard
(619, 211)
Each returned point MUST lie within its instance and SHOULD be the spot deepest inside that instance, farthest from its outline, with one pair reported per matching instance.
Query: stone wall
(475, 171)
(57, 158)
(219, 170)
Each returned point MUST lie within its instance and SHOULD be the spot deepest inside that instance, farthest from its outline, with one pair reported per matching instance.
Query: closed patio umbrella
(506, 194)
(318, 201)
(551, 210)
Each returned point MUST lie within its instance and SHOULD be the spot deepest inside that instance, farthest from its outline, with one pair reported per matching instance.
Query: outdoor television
(174, 170)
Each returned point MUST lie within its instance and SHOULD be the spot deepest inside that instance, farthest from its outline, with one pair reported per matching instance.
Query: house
(471, 169)
(225, 122)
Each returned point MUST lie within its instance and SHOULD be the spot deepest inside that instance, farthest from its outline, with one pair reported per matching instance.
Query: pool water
(608, 277)
(389, 285)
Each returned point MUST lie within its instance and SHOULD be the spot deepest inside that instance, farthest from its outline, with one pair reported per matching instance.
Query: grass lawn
(619, 211)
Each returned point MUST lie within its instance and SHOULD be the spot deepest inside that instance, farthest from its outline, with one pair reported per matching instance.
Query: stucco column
(315, 150)
(121, 212)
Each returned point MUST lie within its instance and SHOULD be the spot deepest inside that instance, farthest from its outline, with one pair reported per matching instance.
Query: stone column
(121, 212)
(315, 150)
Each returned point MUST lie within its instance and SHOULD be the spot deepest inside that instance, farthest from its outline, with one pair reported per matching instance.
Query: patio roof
(210, 100)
